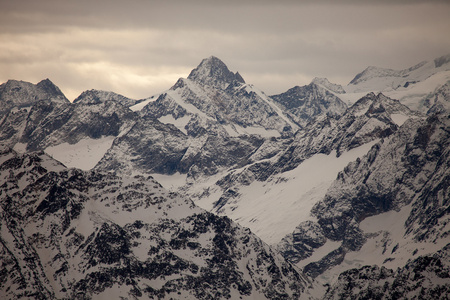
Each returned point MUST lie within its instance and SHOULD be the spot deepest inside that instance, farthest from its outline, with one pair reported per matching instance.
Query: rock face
(72, 234)
(336, 88)
(20, 94)
(154, 146)
(305, 104)
(370, 118)
(49, 123)
(426, 277)
(96, 97)
(405, 174)
(439, 101)
(213, 72)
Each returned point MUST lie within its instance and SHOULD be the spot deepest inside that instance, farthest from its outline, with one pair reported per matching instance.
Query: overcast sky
(141, 47)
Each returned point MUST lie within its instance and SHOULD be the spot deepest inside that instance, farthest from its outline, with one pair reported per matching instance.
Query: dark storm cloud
(141, 47)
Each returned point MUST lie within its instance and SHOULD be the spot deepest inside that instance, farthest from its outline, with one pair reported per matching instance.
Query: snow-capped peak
(98, 96)
(22, 93)
(325, 83)
(383, 79)
(212, 71)
(380, 104)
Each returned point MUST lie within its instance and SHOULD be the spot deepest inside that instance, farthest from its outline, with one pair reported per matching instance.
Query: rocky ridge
(426, 277)
(406, 172)
(48, 123)
(97, 96)
(304, 104)
(15, 93)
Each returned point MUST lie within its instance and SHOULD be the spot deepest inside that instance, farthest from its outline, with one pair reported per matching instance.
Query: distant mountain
(15, 93)
(48, 123)
(210, 121)
(97, 96)
(381, 78)
(410, 86)
(305, 104)
(336, 88)
(78, 134)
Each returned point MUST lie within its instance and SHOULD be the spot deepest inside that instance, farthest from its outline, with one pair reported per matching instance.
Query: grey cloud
(272, 44)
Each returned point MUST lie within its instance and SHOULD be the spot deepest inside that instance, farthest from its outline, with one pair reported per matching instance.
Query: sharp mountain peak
(213, 71)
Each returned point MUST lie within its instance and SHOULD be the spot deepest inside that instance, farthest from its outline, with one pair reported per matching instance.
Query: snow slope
(273, 208)
(83, 155)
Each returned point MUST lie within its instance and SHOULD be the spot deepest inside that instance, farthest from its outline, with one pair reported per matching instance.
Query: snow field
(83, 155)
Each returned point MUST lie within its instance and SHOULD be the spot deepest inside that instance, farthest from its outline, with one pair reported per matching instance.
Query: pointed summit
(324, 82)
(97, 96)
(212, 71)
(381, 105)
(15, 93)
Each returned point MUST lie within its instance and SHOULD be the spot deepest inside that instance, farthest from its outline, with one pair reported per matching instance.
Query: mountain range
(215, 190)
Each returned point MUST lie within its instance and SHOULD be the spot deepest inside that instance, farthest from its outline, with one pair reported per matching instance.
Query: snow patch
(388, 246)
(320, 252)
(236, 130)
(141, 105)
(83, 155)
(399, 119)
(177, 97)
(171, 182)
(20, 147)
(179, 123)
(351, 98)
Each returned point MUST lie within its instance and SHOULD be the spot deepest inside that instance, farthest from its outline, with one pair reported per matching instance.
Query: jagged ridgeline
(214, 190)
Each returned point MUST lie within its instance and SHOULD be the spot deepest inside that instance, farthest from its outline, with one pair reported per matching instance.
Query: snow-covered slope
(439, 101)
(97, 96)
(410, 86)
(383, 79)
(65, 233)
(272, 208)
